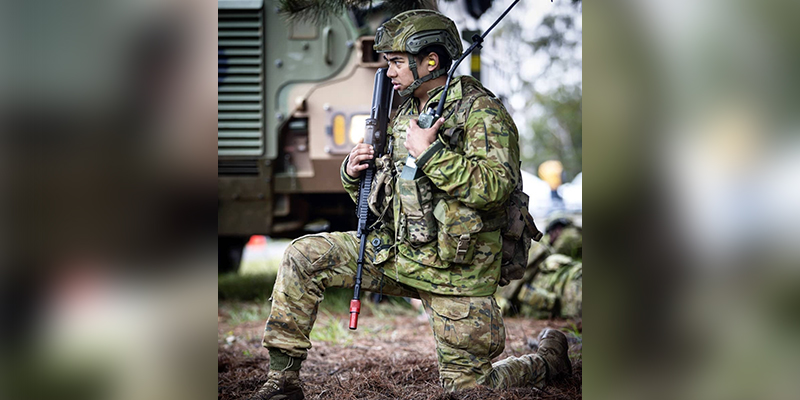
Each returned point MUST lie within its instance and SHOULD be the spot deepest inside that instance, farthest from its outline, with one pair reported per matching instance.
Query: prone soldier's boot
(281, 385)
(553, 349)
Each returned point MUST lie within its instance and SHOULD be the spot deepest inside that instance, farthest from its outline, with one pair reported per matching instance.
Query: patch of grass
(247, 312)
(333, 330)
(391, 307)
(260, 267)
(232, 286)
(337, 301)
(573, 329)
(575, 350)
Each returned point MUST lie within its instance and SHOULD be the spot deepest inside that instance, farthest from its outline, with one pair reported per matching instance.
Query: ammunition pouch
(416, 200)
(458, 229)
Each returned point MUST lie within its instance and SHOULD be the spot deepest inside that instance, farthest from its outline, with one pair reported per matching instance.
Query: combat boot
(553, 349)
(281, 385)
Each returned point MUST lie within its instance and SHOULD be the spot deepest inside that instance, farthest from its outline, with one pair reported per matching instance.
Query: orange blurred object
(550, 172)
(257, 240)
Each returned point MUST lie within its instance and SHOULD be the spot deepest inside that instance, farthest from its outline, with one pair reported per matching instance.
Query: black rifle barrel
(375, 135)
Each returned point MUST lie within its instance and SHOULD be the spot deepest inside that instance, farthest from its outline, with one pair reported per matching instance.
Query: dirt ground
(386, 358)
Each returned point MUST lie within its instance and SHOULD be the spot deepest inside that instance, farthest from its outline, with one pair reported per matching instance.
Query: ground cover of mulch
(386, 358)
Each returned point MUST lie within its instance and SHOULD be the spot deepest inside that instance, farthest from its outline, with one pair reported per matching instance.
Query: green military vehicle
(292, 101)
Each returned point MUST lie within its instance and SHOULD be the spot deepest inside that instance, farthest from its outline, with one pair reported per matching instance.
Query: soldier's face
(399, 71)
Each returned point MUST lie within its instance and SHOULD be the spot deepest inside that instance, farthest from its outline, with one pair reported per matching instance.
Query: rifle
(375, 134)
(427, 118)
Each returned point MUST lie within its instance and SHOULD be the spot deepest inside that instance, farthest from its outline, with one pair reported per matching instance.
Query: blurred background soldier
(553, 283)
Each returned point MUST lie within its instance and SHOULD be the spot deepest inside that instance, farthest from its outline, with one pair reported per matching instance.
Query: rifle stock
(375, 135)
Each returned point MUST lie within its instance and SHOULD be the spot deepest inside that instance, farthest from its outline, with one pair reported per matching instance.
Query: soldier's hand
(362, 152)
(418, 139)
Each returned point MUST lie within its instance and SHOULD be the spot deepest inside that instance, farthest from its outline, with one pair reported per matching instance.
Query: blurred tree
(322, 10)
(553, 97)
(557, 133)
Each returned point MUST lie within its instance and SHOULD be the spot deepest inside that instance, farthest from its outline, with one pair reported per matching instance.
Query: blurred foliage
(321, 10)
(233, 286)
(558, 133)
(332, 329)
(556, 36)
(241, 312)
(553, 110)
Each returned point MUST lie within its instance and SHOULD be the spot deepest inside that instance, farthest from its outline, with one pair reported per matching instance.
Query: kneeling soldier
(439, 238)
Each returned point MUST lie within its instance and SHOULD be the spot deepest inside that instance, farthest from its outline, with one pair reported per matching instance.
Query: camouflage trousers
(469, 331)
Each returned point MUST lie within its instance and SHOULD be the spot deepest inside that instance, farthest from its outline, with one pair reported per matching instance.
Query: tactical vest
(422, 219)
(515, 222)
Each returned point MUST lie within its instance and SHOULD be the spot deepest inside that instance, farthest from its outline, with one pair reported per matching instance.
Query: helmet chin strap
(412, 63)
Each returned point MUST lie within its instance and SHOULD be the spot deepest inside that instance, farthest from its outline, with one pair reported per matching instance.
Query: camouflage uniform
(552, 285)
(438, 239)
(569, 242)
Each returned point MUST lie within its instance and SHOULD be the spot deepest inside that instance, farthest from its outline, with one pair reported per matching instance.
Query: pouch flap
(426, 254)
(457, 219)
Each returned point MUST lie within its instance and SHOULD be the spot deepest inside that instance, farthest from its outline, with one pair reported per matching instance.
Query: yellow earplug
(431, 62)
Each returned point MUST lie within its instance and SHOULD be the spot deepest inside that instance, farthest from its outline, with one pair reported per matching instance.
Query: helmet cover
(413, 30)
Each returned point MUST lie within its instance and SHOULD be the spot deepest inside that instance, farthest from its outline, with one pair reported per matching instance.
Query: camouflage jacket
(463, 192)
(569, 242)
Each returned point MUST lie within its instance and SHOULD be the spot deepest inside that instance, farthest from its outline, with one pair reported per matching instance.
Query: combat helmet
(558, 222)
(410, 32)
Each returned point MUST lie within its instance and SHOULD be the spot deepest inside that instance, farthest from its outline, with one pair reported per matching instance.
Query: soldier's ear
(433, 61)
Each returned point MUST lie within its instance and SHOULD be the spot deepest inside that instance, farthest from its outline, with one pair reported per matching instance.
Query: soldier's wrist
(346, 177)
(426, 154)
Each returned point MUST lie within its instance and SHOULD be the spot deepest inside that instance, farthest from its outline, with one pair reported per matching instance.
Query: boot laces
(273, 384)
